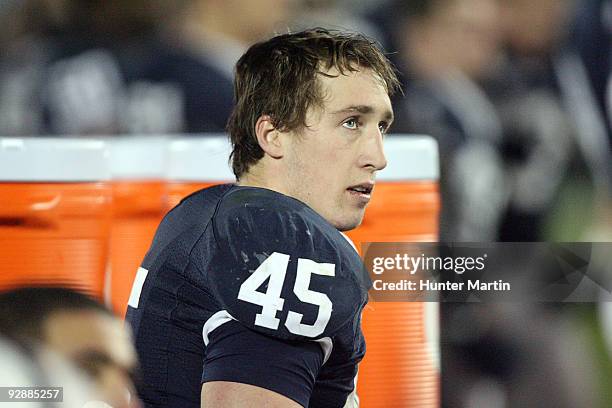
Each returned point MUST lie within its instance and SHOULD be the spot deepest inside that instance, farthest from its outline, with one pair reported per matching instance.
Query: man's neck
(256, 179)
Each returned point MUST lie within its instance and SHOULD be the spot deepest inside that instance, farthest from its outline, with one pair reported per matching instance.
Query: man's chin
(348, 224)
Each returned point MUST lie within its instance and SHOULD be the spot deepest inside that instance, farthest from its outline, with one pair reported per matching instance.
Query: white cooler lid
(53, 159)
(200, 158)
(410, 157)
(138, 157)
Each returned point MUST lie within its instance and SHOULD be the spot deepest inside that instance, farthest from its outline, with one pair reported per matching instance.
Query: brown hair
(278, 78)
(24, 311)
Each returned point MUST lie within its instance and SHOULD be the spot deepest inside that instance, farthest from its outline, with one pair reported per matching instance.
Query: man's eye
(351, 123)
(383, 127)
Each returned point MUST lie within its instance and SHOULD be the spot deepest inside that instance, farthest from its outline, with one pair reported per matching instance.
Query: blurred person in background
(220, 31)
(486, 79)
(556, 149)
(335, 14)
(556, 156)
(206, 38)
(78, 328)
(73, 70)
(445, 48)
(509, 101)
(139, 67)
(24, 52)
(592, 41)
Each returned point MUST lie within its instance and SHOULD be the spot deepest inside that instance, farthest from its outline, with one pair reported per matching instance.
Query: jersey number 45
(275, 268)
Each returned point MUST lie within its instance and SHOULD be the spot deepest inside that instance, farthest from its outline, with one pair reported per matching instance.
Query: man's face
(101, 345)
(332, 162)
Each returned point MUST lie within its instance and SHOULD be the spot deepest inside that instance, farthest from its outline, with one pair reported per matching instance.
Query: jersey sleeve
(281, 269)
(238, 354)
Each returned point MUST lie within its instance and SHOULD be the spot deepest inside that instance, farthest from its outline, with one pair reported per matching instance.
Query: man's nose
(373, 155)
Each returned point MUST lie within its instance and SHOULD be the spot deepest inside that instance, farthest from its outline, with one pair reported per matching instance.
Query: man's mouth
(364, 189)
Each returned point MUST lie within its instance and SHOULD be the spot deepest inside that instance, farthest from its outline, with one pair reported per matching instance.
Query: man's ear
(268, 137)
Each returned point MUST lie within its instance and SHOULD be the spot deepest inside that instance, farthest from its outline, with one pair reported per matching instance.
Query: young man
(250, 295)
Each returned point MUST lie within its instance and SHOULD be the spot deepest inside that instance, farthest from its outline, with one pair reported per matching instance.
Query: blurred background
(516, 93)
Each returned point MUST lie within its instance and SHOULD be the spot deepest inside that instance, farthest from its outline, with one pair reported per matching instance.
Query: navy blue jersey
(248, 285)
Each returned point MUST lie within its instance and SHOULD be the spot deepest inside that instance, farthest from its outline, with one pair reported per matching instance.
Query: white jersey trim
(139, 280)
(223, 316)
(327, 345)
(352, 400)
(216, 320)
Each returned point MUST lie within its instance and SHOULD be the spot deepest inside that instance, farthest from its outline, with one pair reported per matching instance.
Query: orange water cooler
(137, 166)
(197, 162)
(55, 204)
(401, 367)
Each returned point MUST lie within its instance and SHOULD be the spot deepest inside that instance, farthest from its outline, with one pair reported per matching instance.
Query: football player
(250, 296)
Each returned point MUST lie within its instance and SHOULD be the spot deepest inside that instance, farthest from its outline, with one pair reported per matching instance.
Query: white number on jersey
(274, 268)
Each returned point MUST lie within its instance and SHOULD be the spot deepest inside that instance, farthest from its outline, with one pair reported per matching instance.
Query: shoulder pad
(281, 268)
